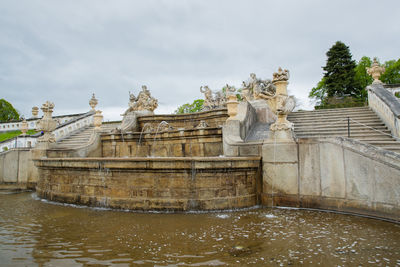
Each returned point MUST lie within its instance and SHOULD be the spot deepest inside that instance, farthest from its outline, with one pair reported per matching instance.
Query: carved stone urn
(97, 120)
(93, 102)
(232, 105)
(376, 71)
(47, 125)
(35, 112)
(24, 127)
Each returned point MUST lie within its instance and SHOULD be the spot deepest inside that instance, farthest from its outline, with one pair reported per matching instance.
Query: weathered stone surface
(332, 170)
(387, 185)
(354, 177)
(309, 166)
(279, 152)
(280, 168)
(152, 183)
(360, 176)
(11, 171)
(187, 143)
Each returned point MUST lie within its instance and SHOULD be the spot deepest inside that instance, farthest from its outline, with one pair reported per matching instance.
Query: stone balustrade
(386, 106)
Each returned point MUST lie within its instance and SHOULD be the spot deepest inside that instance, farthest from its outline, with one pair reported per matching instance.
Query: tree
(392, 72)
(362, 77)
(7, 112)
(340, 72)
(190, 108)
(319, 92)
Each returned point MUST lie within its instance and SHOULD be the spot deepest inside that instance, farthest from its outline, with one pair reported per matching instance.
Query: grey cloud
(65, 50)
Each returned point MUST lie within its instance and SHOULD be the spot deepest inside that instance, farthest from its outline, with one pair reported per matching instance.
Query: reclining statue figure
(143, 104)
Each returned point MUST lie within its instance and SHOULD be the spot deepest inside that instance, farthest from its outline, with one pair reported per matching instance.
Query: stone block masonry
(152, 183)
(336, 174)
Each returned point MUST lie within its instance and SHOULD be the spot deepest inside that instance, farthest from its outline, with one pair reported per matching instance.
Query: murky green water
(33, 232)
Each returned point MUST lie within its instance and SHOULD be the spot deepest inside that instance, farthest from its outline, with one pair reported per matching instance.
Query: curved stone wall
(205, 142)
(206, 183)
(214, 118)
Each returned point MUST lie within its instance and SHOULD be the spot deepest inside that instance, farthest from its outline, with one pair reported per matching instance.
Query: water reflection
(40, 233)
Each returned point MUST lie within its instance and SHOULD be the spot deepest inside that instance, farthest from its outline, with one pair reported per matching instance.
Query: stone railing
(62, 131)
(236, 129)
(386, 106)
(18, 142)
(65, 129)
(32, 122)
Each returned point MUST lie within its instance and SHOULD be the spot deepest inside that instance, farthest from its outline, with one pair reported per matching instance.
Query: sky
(63, 51)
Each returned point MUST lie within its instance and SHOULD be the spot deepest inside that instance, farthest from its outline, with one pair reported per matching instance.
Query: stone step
(334, 110)
(383, 143)
(334, 117)
(363, 137)
(77, 138)
(341, 131)
(339, 117)
(316, 123)
(72, 140)
(334, 127)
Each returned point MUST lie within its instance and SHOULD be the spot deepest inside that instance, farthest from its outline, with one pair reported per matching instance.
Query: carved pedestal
(97, 120)
(232, 105)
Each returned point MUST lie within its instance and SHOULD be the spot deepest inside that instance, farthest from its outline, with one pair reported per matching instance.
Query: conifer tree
(340, 72)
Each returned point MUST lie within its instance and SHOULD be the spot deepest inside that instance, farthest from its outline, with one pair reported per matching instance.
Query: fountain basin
(169, 183)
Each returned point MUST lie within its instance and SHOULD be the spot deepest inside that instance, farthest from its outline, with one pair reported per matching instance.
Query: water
(146, 125)
(162, 123)
(37, 233)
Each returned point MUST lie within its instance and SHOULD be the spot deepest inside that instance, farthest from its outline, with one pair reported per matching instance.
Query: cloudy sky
(64, 51)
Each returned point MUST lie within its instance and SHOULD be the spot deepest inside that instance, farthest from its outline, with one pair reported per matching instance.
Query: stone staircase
(365, 126)
(81, 138)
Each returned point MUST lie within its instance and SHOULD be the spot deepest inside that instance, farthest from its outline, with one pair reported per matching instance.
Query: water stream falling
(162, 123)
(272, 183)
(146, 125)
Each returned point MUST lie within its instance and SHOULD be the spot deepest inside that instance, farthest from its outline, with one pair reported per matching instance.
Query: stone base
(181, 183)
(281, 135)
(280, 169)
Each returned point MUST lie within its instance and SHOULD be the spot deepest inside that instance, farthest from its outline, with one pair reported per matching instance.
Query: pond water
(39, 233)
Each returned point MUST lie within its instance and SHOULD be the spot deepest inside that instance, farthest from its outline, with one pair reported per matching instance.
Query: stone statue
(281, 75)
(212, 100)
(256, 88)
(143, 104)
(145, 101)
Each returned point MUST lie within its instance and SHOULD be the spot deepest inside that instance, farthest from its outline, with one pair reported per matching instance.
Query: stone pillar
(280, 151)
(282, 129)
(24, 127)
(97, 120)
(46, 125)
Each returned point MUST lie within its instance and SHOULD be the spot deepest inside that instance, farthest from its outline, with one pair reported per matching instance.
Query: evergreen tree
(7, 111)
(340, 72)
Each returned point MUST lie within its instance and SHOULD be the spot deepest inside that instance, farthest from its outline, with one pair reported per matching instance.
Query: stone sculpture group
(143, 104)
